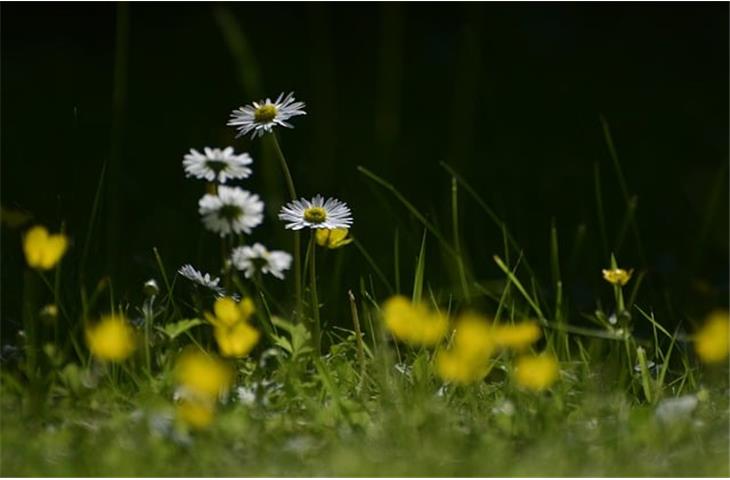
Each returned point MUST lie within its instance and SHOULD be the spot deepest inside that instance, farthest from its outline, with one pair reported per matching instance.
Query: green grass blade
(519, 287)
(420, 270)
(414, 211)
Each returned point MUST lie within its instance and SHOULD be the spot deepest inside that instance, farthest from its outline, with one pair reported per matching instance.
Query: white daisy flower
(231, 210)
(189, 272)
(217, 164)
(317, 213)
(250, 259)
(260, 117)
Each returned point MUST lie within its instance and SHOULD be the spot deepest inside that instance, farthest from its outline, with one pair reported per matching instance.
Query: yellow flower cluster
(414, 324)
(202, 379)
(332, 238)
(475, 341)
(111, 339)
(712, 341)
(232, 331)
(43, 251)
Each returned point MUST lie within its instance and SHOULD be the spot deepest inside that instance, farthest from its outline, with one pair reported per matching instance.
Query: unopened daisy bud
(150, 288)
(617, 276)
(333, 238)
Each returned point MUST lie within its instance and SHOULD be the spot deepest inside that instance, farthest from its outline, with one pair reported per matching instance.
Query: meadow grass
(331, 391)
(368, 405)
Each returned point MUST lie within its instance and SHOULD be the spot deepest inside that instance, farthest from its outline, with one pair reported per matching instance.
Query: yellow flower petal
(226, 311)
(473, 337)
(202, 375)
(454, 366)
(42, 250)
(332, 238)
(712, 341)
(111, 339)
(617, 276)
(236, 341)
(518, 336)
(536, 372)
(197, 415)
(413, 324)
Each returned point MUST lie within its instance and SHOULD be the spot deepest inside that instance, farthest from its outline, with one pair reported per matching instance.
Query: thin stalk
(316, 328)
(148, 317)
(297, 234)
(358, 336)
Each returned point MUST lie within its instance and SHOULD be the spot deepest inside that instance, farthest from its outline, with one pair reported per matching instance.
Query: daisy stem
(297, 234)
(316, 329)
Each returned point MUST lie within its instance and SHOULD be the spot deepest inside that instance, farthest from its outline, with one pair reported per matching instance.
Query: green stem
(316, 329)
(297, 234)
(148, 317)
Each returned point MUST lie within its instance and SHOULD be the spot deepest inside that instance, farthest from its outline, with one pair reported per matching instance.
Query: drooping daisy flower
(260, 117)
(316, 213)
(250, 259)
(206, 280)
(217, 164)
(231, 210)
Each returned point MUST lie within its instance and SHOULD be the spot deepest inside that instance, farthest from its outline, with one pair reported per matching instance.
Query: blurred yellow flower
(468, 359)
(43, 251)
(518, 336)
(236, 340)
(332, 238)
(457, 367)
(711, 341)
(202, 374)
(111, 339)
(414, 324)
(617, 276)
(536, 372)
(196, 414)
(234, 335)
(228, 312)
(473, 337)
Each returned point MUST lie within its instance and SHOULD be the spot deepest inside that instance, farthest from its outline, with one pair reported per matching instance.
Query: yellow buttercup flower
(234, 335)
(236, 340)
(43, 251)
(111, 339)
(712, 342)
(414, 324)
(196, 414)
(518, 336)
(468, 359)
(473, 337)
(228, 312)
(332, 238)
(617, 276)
(536, 372)
(453, 366)
(202, 375)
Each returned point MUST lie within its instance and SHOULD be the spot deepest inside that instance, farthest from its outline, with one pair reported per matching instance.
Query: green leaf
(173, 330)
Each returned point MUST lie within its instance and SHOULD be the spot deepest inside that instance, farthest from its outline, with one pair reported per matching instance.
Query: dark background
(510, 95)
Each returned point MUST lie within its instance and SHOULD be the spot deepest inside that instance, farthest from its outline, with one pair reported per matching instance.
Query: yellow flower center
(265, 113)
(315, 215)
